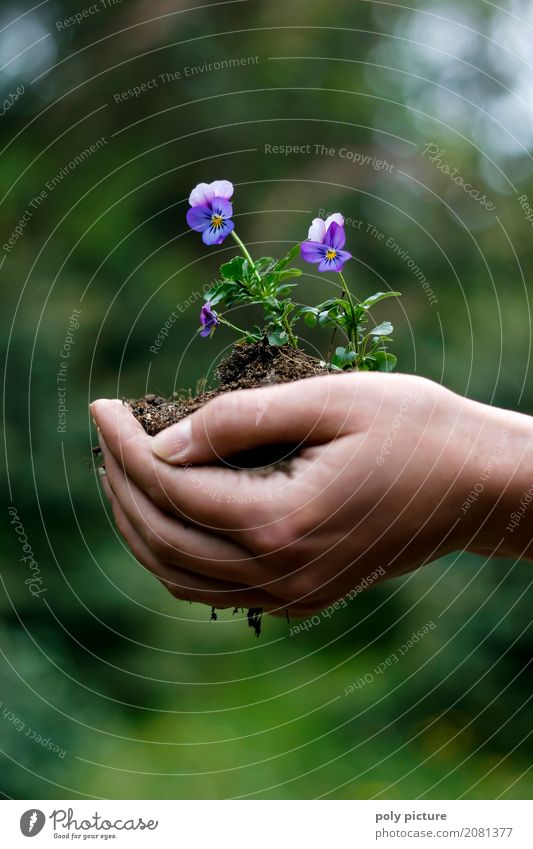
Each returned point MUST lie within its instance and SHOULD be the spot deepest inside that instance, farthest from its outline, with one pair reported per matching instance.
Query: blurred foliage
(148, 698)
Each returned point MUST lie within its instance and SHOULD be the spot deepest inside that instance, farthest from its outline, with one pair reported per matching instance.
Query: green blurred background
(143, 696)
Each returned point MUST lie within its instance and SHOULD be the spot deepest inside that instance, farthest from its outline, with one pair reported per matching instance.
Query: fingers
(214, 498)
(170, 540)
(308, 411)
(274, 597)
(181, 583)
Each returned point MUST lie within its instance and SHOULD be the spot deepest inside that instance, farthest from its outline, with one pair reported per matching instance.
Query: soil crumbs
(247, 367)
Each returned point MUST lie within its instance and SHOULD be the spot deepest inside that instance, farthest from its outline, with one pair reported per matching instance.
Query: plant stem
(353, 334)
(233, 326)
(290, 334)
(246, 254)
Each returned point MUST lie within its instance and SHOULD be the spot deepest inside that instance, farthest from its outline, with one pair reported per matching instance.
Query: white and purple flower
(211, 211)
(325, 243)
(208, 319)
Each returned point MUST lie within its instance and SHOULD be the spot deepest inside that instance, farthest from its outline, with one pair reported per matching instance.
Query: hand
(391, 473)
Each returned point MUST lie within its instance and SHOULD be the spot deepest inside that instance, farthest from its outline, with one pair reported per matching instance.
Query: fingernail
(106, 487)
(173, 443)
(101, 401)
(97, 406)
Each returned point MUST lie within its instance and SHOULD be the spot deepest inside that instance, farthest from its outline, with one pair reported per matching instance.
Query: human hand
(386, 466)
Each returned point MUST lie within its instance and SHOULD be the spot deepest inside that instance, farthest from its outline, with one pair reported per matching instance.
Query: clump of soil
(247, 367)
(254, 617)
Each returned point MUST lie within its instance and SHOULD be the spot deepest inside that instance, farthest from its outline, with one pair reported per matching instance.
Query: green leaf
(278, 337)
(379, 296)
(239, 295)
(234, 269)
(385, 361)
(264, 262)
(310, 315)
(377, 343)
(284, 290)
(343, 358)
(221, 291)
(331, 302)
(324, 319)
(383, 329)
(289, 256)
(288, 274)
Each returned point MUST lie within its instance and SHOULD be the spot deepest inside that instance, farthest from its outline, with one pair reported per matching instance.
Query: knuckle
(226, 410)
(127, 443)
(288, 537)
(121, 524)
(289, 531)
(155, 491)
(299, 587)
(155, 542)
(176, 590)
(217, 413)
(286, 533)
(278, 535)
(264, 539)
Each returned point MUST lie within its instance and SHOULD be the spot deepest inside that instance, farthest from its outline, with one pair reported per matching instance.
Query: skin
(393, 471)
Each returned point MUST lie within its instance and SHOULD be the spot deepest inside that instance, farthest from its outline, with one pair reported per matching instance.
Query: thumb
(308, 411)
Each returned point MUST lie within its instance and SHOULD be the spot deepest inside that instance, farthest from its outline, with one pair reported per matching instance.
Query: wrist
(494, 517)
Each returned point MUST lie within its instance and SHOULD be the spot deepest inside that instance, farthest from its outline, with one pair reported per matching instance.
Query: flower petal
(199, 218)
(337, 217)
(207, 313)
(313, 251)
(222, 207)
(336, 264)
(204, 193)
(317, 230)
(335, 236)
(222, 189)
(216, 235)
(201, 195)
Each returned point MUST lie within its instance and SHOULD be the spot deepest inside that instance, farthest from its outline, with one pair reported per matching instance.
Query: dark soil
(247, 367)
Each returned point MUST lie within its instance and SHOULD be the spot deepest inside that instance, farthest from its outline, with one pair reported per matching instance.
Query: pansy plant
(365, 350)
(265, 281)
(268, 282)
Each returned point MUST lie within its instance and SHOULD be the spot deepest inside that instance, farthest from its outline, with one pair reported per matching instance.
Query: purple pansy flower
(208, 319)
(325, 243)
(211, 211)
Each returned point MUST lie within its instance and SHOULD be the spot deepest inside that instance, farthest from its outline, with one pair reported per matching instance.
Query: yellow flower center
(331, 253)
(216, 221)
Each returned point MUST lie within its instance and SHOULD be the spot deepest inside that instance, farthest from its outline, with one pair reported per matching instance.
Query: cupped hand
(385, 465)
